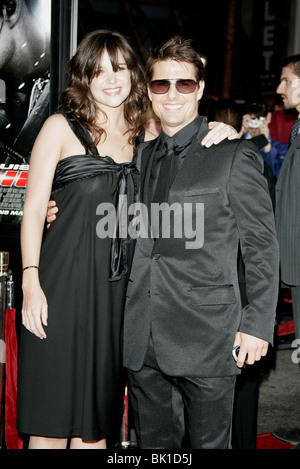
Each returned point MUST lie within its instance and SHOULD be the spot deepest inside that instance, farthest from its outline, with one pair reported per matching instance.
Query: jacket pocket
(215, 295)
(203, 191)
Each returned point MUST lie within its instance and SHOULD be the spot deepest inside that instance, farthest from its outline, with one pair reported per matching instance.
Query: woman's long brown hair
(84, 66)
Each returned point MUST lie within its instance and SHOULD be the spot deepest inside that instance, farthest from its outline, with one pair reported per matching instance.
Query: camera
(256, 123)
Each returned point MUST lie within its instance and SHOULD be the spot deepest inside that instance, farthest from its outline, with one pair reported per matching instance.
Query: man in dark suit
(183, 312)
(288, 207)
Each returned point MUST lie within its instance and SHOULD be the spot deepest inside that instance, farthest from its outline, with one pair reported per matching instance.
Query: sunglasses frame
(175, 81)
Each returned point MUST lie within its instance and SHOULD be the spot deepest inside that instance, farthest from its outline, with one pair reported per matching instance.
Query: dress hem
(99, 435)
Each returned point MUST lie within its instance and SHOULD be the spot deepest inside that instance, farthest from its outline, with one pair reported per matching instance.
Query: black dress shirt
(182, 141)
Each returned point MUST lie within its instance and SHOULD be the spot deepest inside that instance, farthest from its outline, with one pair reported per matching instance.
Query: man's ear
(200, 89)
(11, 11)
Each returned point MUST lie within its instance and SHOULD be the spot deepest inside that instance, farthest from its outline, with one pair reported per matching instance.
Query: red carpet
(286, 328)
(267, 441)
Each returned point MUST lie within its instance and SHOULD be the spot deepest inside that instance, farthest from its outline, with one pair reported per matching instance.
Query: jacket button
(156, 256)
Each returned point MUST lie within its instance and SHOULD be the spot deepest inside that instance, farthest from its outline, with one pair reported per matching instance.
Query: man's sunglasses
(182, 86)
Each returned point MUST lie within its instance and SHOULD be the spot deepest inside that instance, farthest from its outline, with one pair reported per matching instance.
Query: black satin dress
(71, 383)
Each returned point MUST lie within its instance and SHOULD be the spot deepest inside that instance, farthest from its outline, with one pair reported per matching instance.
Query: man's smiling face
(175, 110)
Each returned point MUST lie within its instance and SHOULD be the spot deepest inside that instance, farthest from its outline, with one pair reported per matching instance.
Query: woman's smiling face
(111, 88)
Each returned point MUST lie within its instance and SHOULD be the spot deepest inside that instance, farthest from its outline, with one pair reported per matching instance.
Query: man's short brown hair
(293, 61)
(179, 49)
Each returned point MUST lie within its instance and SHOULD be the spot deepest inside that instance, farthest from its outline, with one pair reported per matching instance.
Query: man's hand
(51, 212)
(218, 132)
(251, 349)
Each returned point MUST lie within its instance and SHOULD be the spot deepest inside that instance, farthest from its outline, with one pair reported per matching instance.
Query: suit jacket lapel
(145, 157)
(191, 162)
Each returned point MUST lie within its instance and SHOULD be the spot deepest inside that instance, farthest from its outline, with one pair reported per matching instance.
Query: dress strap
(81, 133)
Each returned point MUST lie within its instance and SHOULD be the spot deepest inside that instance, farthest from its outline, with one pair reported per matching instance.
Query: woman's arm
(44, 158)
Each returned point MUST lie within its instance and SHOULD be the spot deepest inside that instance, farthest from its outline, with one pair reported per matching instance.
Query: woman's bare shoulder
(56, 121)
(55, 127)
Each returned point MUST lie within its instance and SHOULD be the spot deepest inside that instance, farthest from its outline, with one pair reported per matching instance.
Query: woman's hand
(218, 132)
(34, 309)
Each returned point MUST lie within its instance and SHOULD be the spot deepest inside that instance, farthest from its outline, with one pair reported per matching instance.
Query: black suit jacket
(288, 214)
(189, 298)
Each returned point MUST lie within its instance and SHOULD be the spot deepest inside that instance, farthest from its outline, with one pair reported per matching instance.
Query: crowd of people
(172, 316)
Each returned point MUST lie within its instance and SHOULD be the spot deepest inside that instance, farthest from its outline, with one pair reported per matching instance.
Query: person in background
(231, 112)
(256, 121)
(288, 209)
(227, 111)
(282, 121)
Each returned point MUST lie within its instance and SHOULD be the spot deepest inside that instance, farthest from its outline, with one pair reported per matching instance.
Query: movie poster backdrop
(24, 95)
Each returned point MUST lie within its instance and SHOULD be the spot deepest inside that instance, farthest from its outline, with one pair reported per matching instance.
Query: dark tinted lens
(160, 86)
(186, 86)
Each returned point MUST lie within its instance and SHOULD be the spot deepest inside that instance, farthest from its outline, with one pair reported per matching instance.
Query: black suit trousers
(178, 412)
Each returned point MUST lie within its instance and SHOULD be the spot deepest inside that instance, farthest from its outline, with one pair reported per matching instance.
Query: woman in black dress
(74, 278)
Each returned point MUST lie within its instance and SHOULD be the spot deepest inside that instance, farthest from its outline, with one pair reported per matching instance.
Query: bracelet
(30, 267)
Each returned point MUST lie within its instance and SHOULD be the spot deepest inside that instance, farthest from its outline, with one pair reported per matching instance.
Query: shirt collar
(185, 135)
